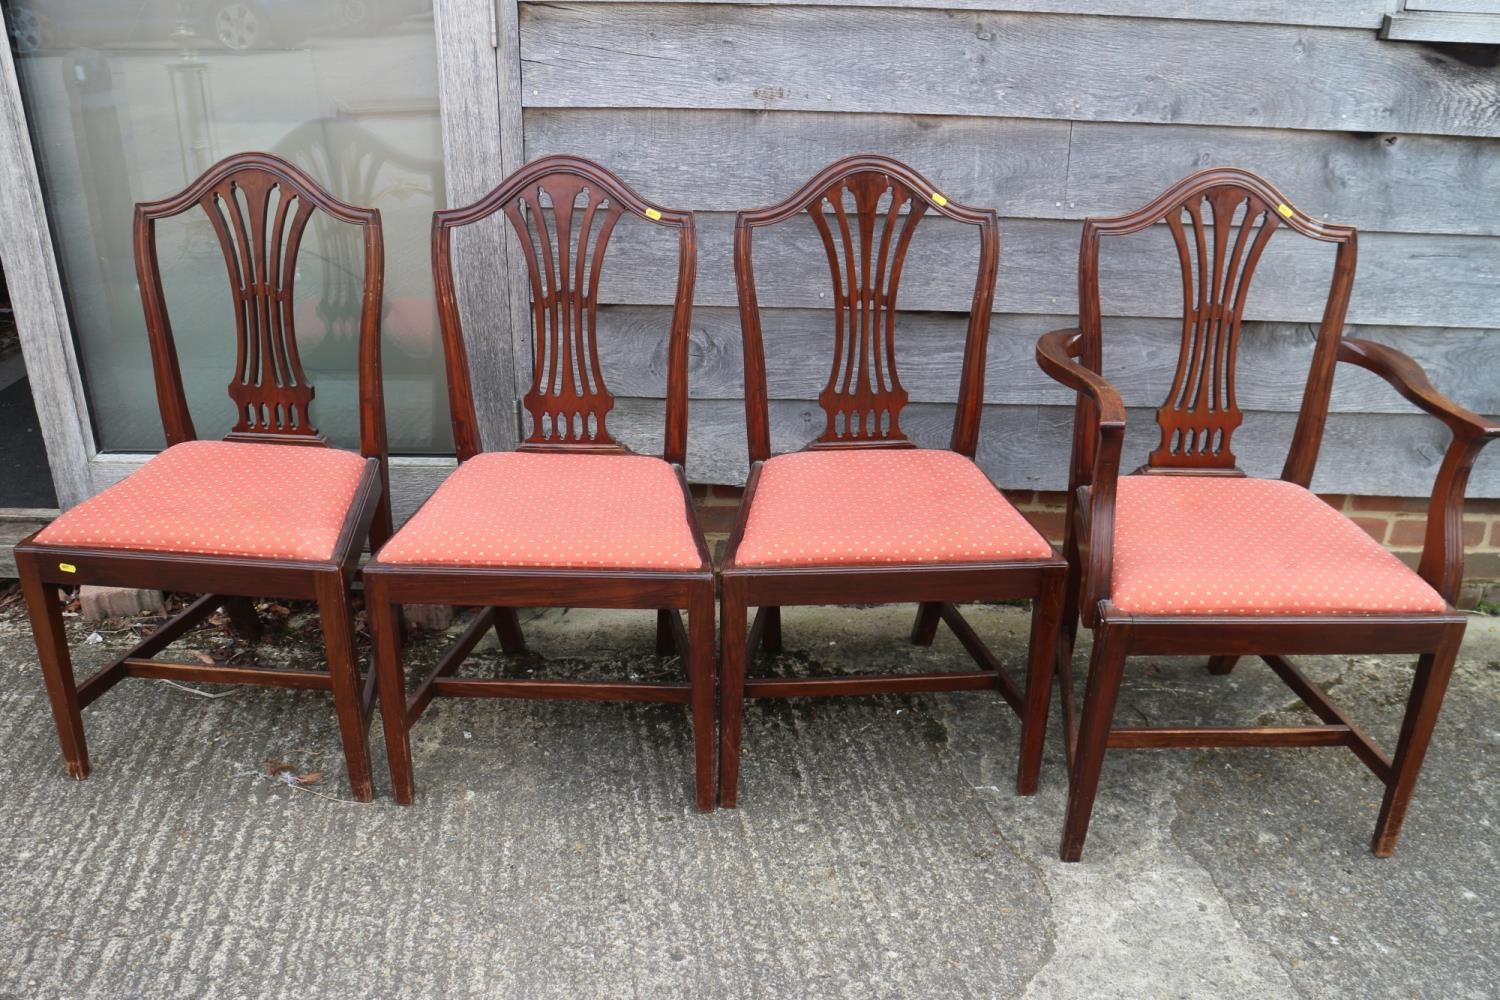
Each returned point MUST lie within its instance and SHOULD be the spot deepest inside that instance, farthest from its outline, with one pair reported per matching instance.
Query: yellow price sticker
(67, 567)
(938, 199)
(653, 215)
(1285, 210)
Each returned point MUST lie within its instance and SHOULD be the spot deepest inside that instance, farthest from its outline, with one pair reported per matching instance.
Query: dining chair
(1188, 555)
(861, 514)
(572, 518)
(271, 510)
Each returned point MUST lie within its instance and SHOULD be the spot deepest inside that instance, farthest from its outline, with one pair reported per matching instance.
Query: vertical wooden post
(480, 92)
(36, 294)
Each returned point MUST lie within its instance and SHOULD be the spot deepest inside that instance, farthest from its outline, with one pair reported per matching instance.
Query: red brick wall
(1397, 523)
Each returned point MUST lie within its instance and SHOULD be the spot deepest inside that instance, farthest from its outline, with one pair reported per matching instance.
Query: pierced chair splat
(272, 510)
(572, 518)
(1188, 555)
(862, 514)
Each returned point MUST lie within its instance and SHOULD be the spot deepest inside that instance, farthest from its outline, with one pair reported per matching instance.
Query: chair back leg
(1222, 665)
(924, 629)
(702, 666)
(385, 626)
(770, 633)
(241, 612)
(666, 640)
(1046, 620)
(731, 689)
(508, 631)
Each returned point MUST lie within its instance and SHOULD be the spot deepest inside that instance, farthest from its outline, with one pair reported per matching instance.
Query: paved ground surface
(878, 850)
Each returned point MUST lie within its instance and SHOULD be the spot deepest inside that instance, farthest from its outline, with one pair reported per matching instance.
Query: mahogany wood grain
(306, 680)
(563, 211)
(1229, 736)
(1221, 220)
(810, 687)
(258, 206)
(866, 210)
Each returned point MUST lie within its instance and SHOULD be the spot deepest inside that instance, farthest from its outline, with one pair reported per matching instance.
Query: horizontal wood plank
(1273, 359)
(707, 160)
(13, 528)
(998, 65)
(710, 159)
(1329, 13)
(1382, 182)
(1421, 26)
(1027, 447)
(1403, 279)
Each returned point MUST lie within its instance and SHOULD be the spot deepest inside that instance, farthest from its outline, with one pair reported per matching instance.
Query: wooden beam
(169, 632)
(1016, 65)
(563, 690)
(477, 156)
(819, 687)
(36, 295)
(1331, 13)
(1464, 29)
(1313, 697)
(1032, 168)
(313, 680)
(448, 664)
(1229, 736)
(969, 639)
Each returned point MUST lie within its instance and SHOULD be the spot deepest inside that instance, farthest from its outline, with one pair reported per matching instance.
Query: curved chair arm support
(1098, 434)
(1442, 563)
(1056, 353)
(1406, 375)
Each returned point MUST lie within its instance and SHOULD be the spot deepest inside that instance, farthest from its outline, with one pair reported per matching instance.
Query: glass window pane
(130, 100)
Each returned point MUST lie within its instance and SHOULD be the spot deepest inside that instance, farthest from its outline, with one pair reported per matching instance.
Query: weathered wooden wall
(1049, 112)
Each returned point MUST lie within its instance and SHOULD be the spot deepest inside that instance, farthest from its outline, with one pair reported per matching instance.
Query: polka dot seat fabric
(1209, 545)
(533, 509)
(881, 506)
(222, 498)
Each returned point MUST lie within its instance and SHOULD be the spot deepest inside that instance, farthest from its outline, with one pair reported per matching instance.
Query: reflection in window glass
(130, 100)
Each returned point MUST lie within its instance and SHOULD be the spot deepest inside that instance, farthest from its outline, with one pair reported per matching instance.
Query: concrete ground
(879, 850)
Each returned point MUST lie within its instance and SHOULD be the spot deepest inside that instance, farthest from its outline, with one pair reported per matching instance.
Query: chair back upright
(866, 209)
(259, 206)
(563, 210)
(1221, 221)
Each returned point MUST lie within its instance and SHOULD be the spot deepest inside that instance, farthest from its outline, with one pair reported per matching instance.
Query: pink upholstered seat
(533, 509)
(1210, 545)
(223, 498)
(881, 506)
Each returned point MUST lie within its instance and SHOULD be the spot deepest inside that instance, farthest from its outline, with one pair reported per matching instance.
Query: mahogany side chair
(572, 518)
(271, 510)
(1188, 555)
(862, 515)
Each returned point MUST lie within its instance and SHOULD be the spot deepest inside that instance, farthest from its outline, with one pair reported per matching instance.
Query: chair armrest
(1095, 463)
(1408, 378)
(1056, 353)
(1442, 563)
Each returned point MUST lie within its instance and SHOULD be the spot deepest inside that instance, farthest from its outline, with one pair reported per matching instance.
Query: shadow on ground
(879, 850)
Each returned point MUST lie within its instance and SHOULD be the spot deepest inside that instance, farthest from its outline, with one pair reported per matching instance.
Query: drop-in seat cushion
(538, 509)
(1213, 545)
(221, 498)
(870, 507)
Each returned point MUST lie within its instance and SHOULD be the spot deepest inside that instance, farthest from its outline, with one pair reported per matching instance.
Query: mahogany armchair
(572, 518)
(271, 509)
(1189, 556)
(861, 514)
